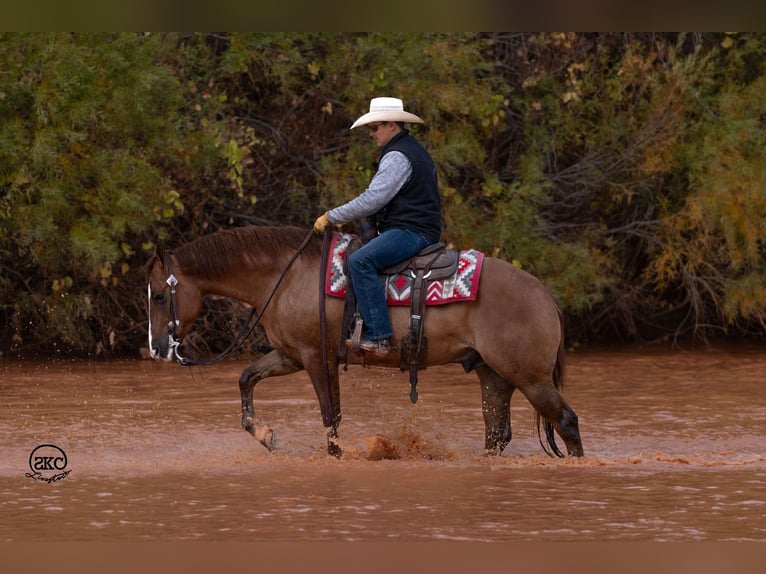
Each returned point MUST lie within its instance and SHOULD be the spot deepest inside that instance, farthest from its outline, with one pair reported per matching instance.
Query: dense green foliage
(627, 171)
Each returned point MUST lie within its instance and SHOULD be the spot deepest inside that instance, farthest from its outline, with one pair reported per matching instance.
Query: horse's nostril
(156, 349)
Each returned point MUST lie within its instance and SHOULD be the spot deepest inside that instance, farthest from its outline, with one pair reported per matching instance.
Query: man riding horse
(402, 202)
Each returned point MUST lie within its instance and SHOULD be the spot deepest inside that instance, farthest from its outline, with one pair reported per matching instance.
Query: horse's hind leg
(549, 403)
(269, 365)
(496, 395)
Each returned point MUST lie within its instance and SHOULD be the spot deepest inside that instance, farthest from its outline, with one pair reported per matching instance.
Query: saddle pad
(462, 286)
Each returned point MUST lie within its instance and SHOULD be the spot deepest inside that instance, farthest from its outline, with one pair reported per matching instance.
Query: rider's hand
(321, 223)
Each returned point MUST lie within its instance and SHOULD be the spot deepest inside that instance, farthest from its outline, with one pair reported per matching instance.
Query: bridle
(174, 320)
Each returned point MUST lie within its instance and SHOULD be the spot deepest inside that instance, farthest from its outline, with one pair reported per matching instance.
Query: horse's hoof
(495, 446)
(265, 436)
(333, 449)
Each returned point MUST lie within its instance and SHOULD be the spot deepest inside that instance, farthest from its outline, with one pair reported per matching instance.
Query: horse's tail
(559, 372)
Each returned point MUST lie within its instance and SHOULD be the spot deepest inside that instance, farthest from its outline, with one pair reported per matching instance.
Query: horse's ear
(158, 253)
(155, 257)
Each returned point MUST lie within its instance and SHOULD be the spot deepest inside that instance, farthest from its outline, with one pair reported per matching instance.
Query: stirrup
(356, 336)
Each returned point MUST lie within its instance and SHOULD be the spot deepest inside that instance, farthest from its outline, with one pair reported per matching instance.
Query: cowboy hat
(386, 110)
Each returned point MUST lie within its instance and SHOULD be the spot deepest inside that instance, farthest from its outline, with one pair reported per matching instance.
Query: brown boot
(379, 348)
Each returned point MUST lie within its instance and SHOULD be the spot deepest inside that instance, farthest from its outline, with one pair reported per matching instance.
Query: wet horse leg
(496, 395)
(327, 388)
(269, 365)
(547, 400)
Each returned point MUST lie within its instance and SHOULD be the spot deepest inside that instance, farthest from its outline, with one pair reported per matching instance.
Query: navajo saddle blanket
(462, 286)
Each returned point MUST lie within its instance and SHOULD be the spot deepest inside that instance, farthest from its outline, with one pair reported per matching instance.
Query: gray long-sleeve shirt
(393, 172)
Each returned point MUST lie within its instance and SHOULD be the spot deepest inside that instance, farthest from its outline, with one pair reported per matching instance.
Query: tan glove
(321, 223)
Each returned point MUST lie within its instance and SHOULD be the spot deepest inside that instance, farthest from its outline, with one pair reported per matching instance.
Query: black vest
(417, 205)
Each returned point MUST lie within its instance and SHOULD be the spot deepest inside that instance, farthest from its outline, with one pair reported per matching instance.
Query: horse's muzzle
(164, 349)
(161, 352)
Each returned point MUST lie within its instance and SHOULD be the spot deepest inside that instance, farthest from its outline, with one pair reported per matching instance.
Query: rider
(402, 201)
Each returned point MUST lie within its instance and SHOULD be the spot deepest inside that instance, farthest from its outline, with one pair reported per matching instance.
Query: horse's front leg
(333, 442)
(325, 380)
(272, 364)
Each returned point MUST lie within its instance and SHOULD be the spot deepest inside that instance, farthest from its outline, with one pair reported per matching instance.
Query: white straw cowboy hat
(386, 110)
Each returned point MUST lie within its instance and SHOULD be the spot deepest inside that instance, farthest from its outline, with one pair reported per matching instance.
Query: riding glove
(321, 223)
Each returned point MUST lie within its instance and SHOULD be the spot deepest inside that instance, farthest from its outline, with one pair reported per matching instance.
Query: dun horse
(511, 334)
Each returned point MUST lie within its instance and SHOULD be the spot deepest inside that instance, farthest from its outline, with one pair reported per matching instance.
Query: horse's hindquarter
(513, 319)
(519, 303)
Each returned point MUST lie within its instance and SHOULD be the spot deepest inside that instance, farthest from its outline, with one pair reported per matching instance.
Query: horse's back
(513, 291)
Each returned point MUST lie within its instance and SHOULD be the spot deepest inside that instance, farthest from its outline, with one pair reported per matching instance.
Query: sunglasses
(374, 127)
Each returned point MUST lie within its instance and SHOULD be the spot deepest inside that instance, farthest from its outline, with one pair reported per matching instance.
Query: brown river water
(674, 451)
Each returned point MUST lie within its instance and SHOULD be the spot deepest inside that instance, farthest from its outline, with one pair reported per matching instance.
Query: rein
(247, 329)
(323, 324)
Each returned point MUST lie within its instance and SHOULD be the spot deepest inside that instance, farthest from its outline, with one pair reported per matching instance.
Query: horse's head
(174, 302)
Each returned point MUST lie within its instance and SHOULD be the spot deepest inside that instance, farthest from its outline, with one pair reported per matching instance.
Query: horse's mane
(211, 255)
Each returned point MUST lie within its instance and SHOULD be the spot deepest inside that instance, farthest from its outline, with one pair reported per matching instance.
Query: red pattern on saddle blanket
(462, 286)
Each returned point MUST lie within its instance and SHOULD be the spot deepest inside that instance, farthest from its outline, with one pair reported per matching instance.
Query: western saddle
(432, 263)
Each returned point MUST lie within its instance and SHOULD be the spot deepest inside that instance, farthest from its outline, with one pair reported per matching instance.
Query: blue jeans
(388, 248)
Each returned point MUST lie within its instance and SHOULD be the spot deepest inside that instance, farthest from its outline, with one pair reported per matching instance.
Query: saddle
(432, 263)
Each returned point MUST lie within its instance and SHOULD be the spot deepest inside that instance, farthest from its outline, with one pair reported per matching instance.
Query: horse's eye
(159, 298)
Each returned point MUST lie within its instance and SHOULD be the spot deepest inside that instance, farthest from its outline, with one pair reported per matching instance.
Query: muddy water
(673, 441)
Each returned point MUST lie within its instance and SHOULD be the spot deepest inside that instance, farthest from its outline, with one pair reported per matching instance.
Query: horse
(511, 334)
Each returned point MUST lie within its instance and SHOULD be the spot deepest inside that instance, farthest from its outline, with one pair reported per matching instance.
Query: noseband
(173, 321)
